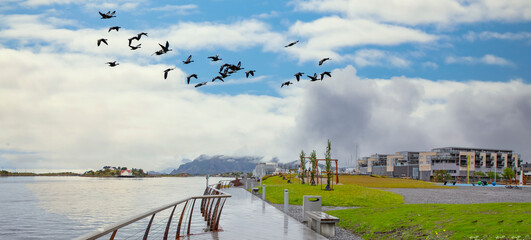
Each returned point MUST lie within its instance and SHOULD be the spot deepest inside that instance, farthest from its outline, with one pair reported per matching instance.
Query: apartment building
(456, 160)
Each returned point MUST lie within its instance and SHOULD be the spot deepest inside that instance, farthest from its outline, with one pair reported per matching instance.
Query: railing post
(190, 220)
(148, 227)
(286, 200)
(178, 234)
(169, 223)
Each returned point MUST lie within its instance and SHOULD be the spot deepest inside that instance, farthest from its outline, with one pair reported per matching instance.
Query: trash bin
(311, 203)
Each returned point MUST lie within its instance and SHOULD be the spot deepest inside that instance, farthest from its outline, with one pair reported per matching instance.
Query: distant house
(126, 173)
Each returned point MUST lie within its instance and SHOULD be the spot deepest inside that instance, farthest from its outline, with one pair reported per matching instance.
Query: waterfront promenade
(246, 216)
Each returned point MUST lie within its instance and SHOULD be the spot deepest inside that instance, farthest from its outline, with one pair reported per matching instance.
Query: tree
(328, 164)
(508, 173)
(492, 174)
(313, 169)
(303, 166)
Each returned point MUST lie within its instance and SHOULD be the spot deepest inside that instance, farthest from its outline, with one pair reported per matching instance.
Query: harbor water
(68, 207)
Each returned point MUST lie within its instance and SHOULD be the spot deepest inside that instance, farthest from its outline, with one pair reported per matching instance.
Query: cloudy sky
(406, 75)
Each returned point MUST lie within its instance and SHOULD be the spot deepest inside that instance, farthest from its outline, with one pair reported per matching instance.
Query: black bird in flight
(200, 84)
(135, 47)
(225, 73)
(107, 15)
(325, 73)
(113, 64)
(215, 58)
(133, 38)
(323, 60)
(298, 76)
(292, 43)
(140, 35)
(286, 84)
(313, 78)
(191, 76)
(166, 72)
(223, 66)
(188, 60)
(165, 48)
(159, 52)
(250, 72)
(217, 78)
(114, 28)
(102, 40)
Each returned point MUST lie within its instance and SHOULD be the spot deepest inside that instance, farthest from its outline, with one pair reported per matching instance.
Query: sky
(405, 76)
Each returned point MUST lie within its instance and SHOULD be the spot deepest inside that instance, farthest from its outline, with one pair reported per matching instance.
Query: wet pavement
(246, 216)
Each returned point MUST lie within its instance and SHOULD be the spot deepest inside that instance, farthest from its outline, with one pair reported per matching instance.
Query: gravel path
(464, 195)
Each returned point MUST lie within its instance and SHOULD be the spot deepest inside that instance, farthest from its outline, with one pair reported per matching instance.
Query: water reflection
(41, 207)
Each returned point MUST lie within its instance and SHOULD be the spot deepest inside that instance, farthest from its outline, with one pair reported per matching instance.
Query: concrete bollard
(263, 192)
(286, 200)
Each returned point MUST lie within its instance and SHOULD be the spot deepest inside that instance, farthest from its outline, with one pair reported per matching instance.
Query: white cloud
(486, 59)
(373, 57)
(73, 112)
(179, 9)
(413, 12)
(472, 36)
(431, 65)
(44, 34)
(327, 35)
(94, 4)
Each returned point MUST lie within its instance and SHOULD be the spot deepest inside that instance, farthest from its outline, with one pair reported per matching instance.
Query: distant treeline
(113, 173)
(7, 173)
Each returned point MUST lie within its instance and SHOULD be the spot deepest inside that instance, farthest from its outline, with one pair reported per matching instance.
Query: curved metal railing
(212, 203)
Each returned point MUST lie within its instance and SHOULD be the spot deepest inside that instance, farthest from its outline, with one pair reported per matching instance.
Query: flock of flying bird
(224, 71)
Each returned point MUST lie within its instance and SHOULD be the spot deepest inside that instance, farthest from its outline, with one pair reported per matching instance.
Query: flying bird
(166, 72)
(215, 58)
(191, 76)
(298, 76)
(102, 40)
(165, 48)
(140, 35)
(159, 52)
(114, 28)
(325, 73)
(135, 47)
(225, 73)
(323, 60)
(292, 43)
(224, 66)
(217, 78)
(250, 72)
(286, 84)
(313, 78)
(107, 15)
(200, 84)
(113, 64)
(133, 38)
(188, 60)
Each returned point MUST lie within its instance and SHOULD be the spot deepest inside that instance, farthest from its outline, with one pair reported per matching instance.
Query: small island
(109, 171)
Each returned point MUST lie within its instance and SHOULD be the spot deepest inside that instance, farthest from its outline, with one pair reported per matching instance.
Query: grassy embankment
(440, 221)
(383, 216)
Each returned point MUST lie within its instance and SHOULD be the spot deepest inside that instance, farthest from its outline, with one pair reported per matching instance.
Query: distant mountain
(205, 164)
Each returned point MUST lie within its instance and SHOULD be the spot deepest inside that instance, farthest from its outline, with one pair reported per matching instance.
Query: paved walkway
(246, 216)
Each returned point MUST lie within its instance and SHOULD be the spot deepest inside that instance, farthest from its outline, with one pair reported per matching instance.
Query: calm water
(68, 207)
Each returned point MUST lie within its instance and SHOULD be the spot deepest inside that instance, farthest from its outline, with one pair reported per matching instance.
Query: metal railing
(212, 203)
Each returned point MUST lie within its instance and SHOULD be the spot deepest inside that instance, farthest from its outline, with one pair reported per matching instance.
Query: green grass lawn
(342, 195)
(379, 182)
(439, 221)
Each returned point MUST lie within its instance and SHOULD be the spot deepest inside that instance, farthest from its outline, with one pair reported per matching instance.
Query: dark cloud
(386, 116)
